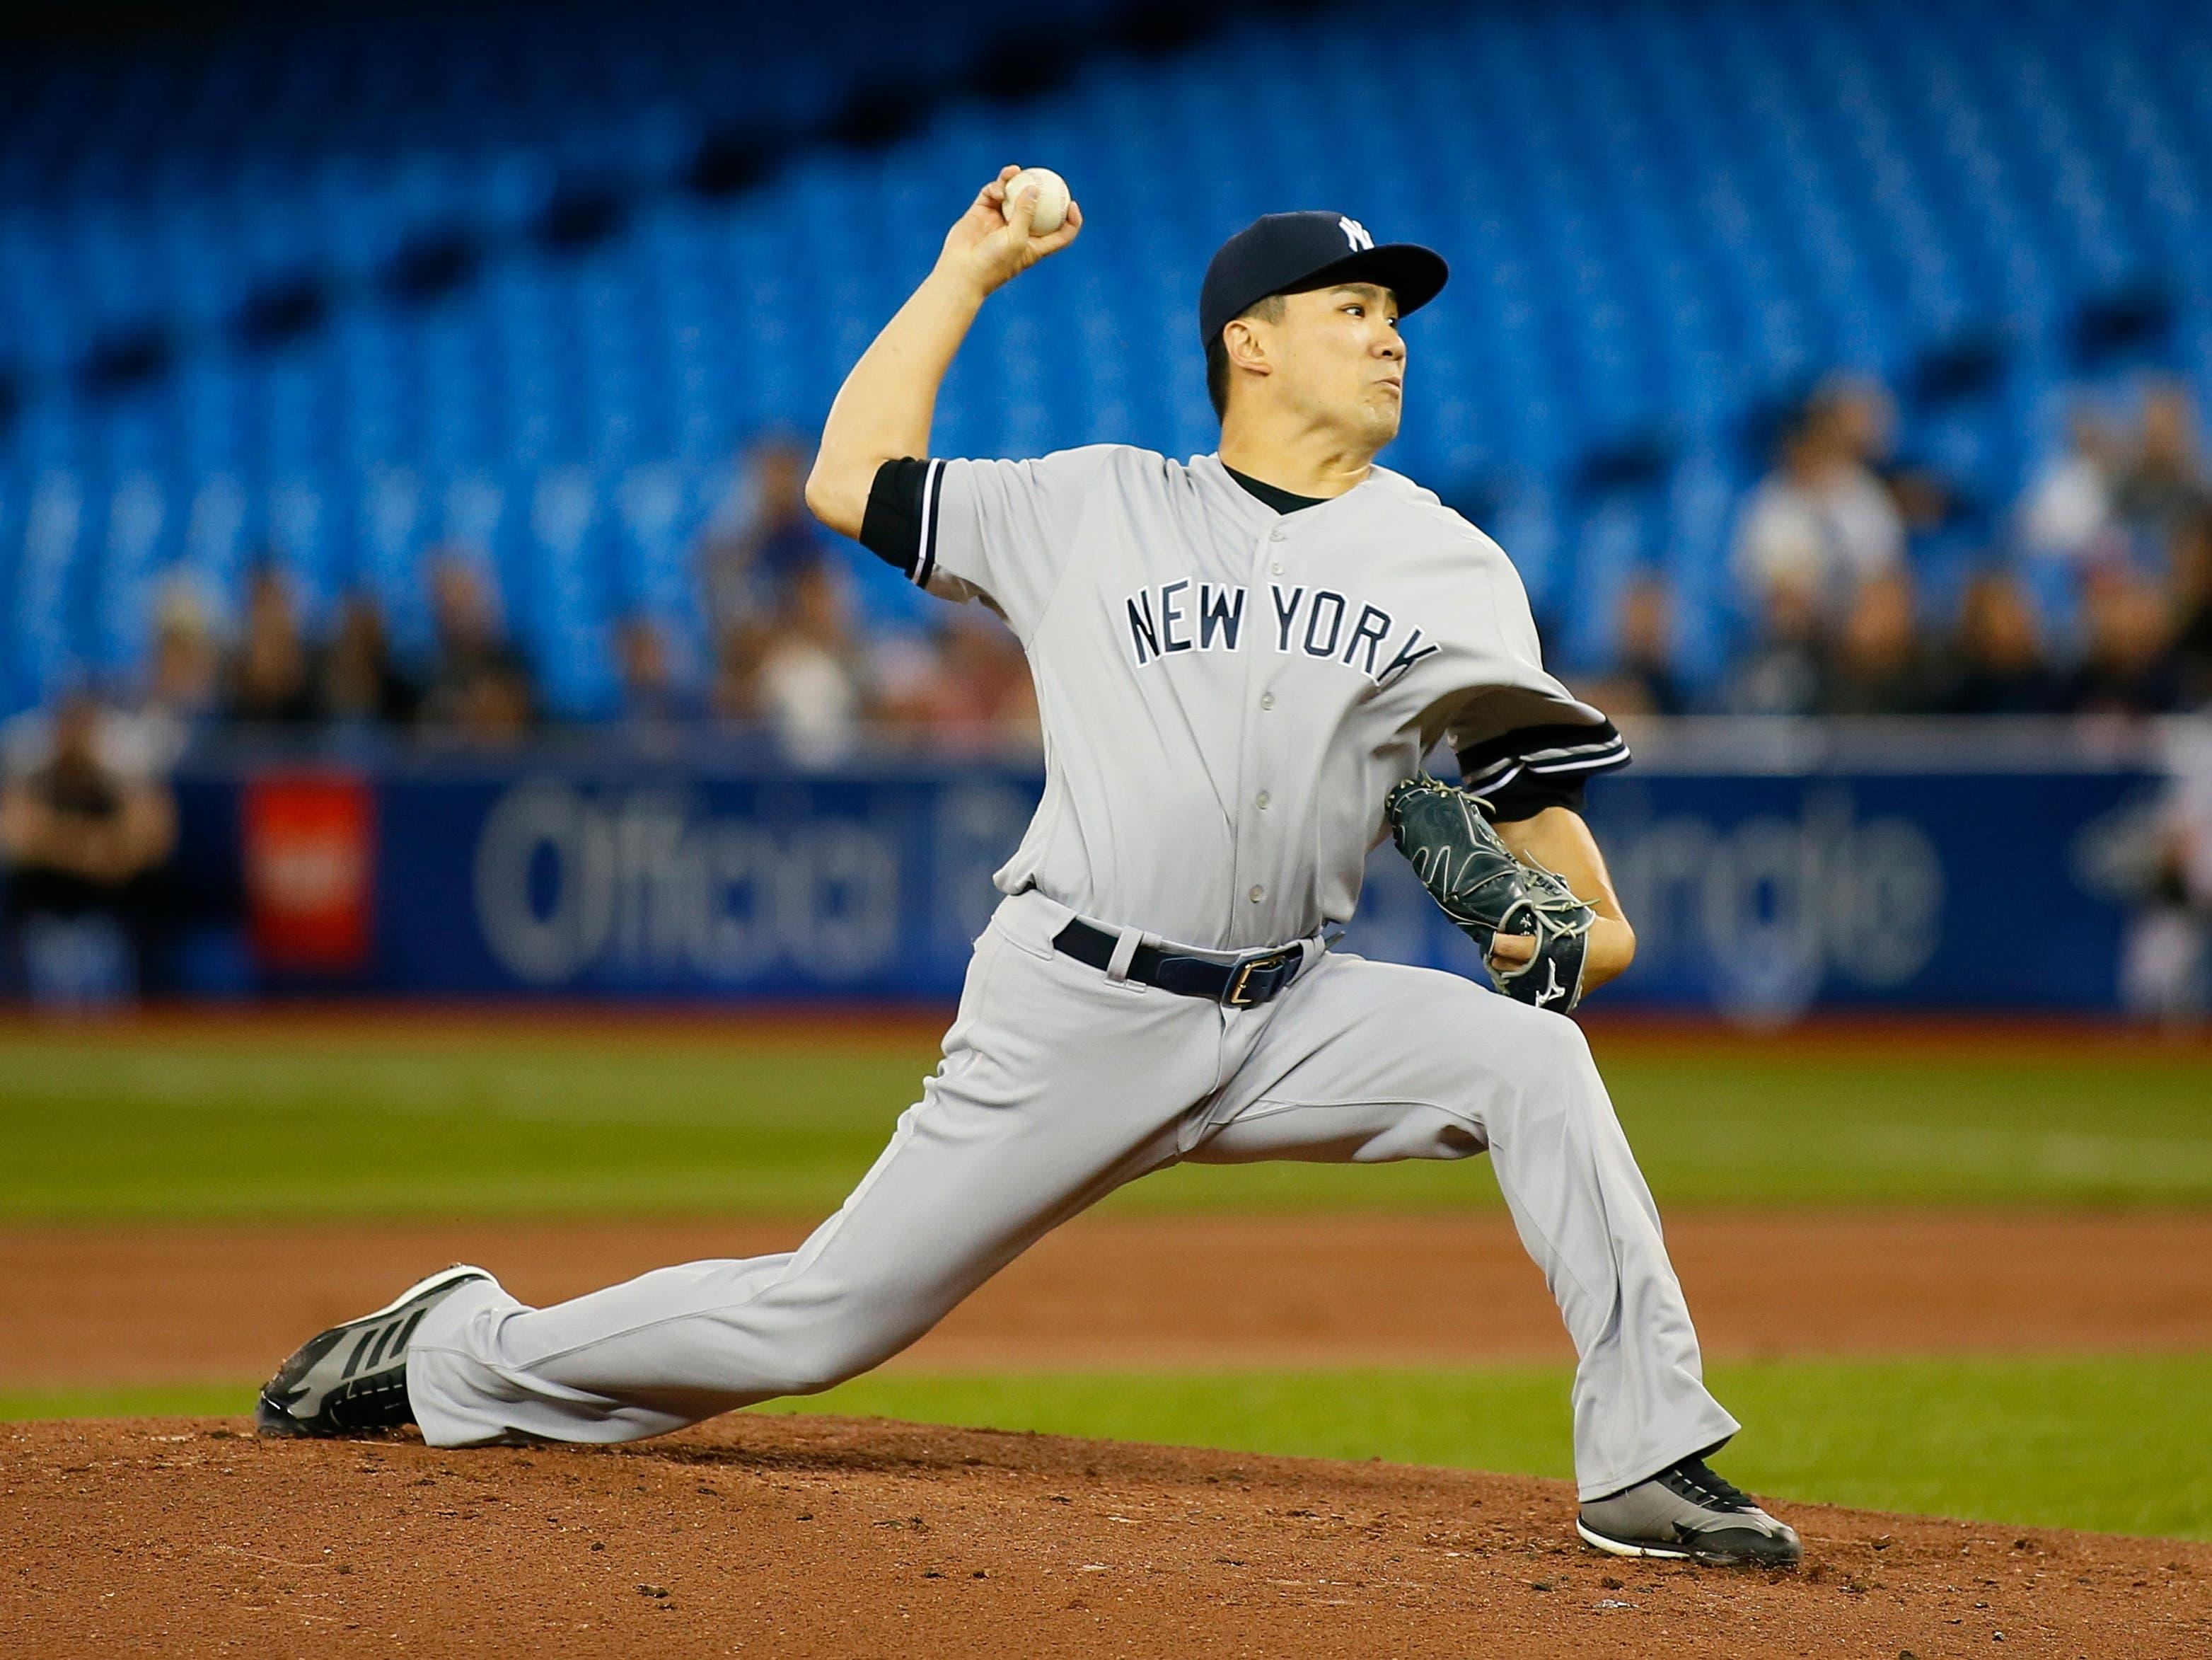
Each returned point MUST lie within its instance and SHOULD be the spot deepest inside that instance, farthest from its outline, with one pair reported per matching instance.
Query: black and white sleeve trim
(1558, 753)
(933, 493)
(900, 525)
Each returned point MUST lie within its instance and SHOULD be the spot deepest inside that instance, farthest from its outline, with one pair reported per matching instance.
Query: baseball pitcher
(1241, 662)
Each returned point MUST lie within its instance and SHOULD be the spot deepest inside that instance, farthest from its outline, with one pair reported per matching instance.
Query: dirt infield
(189, 1303)
(833, 1537)
(772, 1535)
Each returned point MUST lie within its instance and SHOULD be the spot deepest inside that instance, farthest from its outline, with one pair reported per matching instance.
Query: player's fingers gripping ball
(1487, 892)
(1052, 198)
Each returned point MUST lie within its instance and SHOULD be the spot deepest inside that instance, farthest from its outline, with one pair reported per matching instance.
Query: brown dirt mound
(187, 1303)
(763, 1535)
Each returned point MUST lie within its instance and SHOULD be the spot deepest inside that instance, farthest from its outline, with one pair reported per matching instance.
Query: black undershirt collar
(1281, 501)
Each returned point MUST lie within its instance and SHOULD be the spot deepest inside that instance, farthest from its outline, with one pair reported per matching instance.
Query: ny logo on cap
(1355, 233)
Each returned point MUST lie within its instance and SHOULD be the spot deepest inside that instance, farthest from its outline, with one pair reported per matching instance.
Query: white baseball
(1052, 198)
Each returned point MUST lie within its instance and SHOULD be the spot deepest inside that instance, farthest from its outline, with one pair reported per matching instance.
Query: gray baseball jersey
(1228, 692)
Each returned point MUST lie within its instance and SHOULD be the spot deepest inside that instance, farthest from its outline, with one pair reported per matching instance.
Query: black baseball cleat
(1688, 1513)
(352, 1379)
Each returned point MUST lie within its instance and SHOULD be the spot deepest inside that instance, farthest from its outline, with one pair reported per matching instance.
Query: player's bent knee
(1543, 1075)
(808, 1368)
(839, 1341)
(1546, 1043)
(1567, 1037)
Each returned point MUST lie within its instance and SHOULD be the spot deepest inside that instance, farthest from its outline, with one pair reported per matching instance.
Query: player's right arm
(883, 410)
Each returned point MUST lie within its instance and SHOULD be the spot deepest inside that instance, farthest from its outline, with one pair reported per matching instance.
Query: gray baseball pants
(1059, 1083)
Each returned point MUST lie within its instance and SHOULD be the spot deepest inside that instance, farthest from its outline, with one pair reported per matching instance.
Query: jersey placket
(1258, 751)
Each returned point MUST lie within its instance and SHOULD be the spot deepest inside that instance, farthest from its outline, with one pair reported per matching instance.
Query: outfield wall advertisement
(1761, 894)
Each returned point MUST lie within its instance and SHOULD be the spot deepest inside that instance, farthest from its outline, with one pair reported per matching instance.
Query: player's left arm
(1532, 780)
(1557, 837)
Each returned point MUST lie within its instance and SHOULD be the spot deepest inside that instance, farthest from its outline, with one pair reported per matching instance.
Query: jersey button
(1257, 894)
(1275, 569)
(1261, 799)
(1267, 699)
(1276, 534)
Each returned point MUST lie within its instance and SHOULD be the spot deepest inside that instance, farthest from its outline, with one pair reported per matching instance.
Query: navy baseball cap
(1287, 252)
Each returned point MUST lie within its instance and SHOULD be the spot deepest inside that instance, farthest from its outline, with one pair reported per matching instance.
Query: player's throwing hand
(994, 242)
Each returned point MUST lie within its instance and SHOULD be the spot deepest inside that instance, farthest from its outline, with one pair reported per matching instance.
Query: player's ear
(1247, 346)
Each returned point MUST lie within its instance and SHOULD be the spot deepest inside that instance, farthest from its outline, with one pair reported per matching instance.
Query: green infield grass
(138, 1123)
(2111, 1444)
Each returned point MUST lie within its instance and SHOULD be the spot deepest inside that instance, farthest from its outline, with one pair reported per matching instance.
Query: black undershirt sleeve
(891, 527)
(1528, 795)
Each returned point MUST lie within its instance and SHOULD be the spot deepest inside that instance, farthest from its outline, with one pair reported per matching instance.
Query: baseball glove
(1487, 891)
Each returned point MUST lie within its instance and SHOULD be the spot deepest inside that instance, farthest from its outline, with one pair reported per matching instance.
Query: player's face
(1342, 359)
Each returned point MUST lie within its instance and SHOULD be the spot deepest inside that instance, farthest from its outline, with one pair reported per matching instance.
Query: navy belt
(1240, 985)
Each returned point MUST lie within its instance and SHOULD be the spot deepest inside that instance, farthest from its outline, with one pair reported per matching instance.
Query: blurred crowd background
(774, 648)
(391, 375)
(2092, 597)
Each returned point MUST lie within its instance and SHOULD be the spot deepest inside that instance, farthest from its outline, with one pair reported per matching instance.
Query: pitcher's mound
(779, 1535)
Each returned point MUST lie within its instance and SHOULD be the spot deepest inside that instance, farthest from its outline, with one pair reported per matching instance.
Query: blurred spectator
(2164, 483)
(972, 693)
(1782, 673)
(653, 704)
(1642, 679)
(1863, 417)
(1929, 504)
(271, 680)
(363, 686)
(2192, 596)
(82, 839)
(181, 692)
(1863, 413)
(2127, 666)
(2000, 666)
(1877, 666)
(479, 688)
(495, 708)
(2066, 512)
(185, 680)
(2165, 961)
(806, 687)
(1821, 522)
(738, 652)
(748, 566)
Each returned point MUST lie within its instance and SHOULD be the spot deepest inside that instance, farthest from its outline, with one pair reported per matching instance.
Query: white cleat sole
(1617, 1547)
